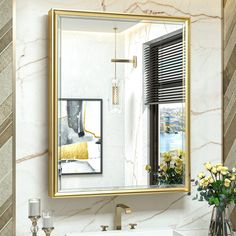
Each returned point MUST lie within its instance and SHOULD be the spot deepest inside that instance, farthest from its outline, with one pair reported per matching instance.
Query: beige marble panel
(7, 229)
(5, 12)
(229, 79)
(6, 109)
(6, 119)
(6, 83)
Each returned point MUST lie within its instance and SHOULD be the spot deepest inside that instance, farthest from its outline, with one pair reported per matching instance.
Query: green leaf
(217, 202)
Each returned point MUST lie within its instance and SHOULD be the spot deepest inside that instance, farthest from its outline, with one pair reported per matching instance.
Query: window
(165, 95)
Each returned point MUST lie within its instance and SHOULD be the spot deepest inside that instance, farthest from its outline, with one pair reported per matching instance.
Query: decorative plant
(170, 170)
(217, 186)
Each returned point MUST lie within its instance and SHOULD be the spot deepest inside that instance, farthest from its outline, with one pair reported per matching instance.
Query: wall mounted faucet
(119, 208)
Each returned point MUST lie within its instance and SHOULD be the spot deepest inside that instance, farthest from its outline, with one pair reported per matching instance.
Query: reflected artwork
(80, 136)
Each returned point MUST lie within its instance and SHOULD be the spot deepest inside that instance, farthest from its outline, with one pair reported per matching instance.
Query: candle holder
(48, 231)
(34, 228)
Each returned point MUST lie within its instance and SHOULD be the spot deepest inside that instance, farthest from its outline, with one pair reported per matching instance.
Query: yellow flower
(227, 183)
(180, 153)
(213, 170)
(167, 156)
(163, 167)
(178, 162)
(224, 170)
(218, 167)
(208, 166)
(233, 170)
(203, 183)
(178, 170)
(210, 179)
(232, 178)
(148, 167)
(201, 175)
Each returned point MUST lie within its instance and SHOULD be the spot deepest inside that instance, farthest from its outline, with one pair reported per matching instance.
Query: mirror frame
(53, 15)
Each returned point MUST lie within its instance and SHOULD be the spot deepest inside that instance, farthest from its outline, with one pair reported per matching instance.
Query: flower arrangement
(170, 170)
(218, 186)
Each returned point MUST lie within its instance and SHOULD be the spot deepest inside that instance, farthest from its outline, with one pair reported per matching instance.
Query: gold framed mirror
(119, 104)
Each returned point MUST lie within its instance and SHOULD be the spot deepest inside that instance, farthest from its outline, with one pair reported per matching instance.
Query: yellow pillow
(74, 151)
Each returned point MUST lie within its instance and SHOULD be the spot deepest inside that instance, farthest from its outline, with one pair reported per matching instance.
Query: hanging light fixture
(116, 84)
(116, 101)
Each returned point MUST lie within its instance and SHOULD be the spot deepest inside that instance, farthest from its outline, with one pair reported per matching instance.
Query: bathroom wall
(177, 210)
(6, 118)
(229, 82)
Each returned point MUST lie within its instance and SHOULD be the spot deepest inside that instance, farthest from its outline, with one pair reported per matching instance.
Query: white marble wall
(177, 211)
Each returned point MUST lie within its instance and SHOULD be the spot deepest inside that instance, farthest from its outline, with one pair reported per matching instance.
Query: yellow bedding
(74, 151)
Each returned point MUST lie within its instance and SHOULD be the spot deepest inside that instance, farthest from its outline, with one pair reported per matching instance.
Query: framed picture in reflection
(80, 136)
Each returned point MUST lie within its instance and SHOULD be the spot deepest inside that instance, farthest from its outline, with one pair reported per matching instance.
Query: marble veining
(29, 157)
(137, 5)
(176, 211)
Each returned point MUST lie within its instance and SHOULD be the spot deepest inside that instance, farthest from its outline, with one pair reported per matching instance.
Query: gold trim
(123, 60)
(54, 15)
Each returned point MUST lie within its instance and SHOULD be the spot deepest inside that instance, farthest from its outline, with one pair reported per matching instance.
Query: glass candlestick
(34, 207)
(47, 222)
(34, 214)
(34, 228)
(48, 231)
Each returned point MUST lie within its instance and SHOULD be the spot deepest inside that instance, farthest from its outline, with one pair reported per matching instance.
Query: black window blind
(164, 69)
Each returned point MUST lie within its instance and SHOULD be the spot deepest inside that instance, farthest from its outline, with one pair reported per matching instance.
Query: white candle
(47, 219)
(34, 207)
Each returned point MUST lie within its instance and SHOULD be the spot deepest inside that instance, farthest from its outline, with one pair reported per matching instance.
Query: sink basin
(128, 233)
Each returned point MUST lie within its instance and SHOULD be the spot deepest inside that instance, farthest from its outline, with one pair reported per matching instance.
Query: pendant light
(116, 85)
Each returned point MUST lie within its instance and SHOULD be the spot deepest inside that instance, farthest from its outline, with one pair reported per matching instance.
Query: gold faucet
(119, 208)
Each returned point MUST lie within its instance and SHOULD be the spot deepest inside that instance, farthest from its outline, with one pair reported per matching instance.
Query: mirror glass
(122, 103)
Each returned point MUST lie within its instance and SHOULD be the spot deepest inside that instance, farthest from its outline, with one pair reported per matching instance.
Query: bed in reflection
(80, 137)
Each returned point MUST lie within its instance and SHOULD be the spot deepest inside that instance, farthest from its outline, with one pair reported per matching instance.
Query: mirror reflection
(122, 108)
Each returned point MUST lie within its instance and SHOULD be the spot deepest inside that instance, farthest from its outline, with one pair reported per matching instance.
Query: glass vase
(220, 224)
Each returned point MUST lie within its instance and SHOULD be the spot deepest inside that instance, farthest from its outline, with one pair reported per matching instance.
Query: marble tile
(7, 230)
(6, 109)
(6, 123)
(5, 12)
(229, 80)
(177, 211)
(5, 168)
(6, 83)
(5, 39)
(6, 213)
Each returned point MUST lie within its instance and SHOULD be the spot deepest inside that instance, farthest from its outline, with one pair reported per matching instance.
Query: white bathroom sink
(128, 233)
